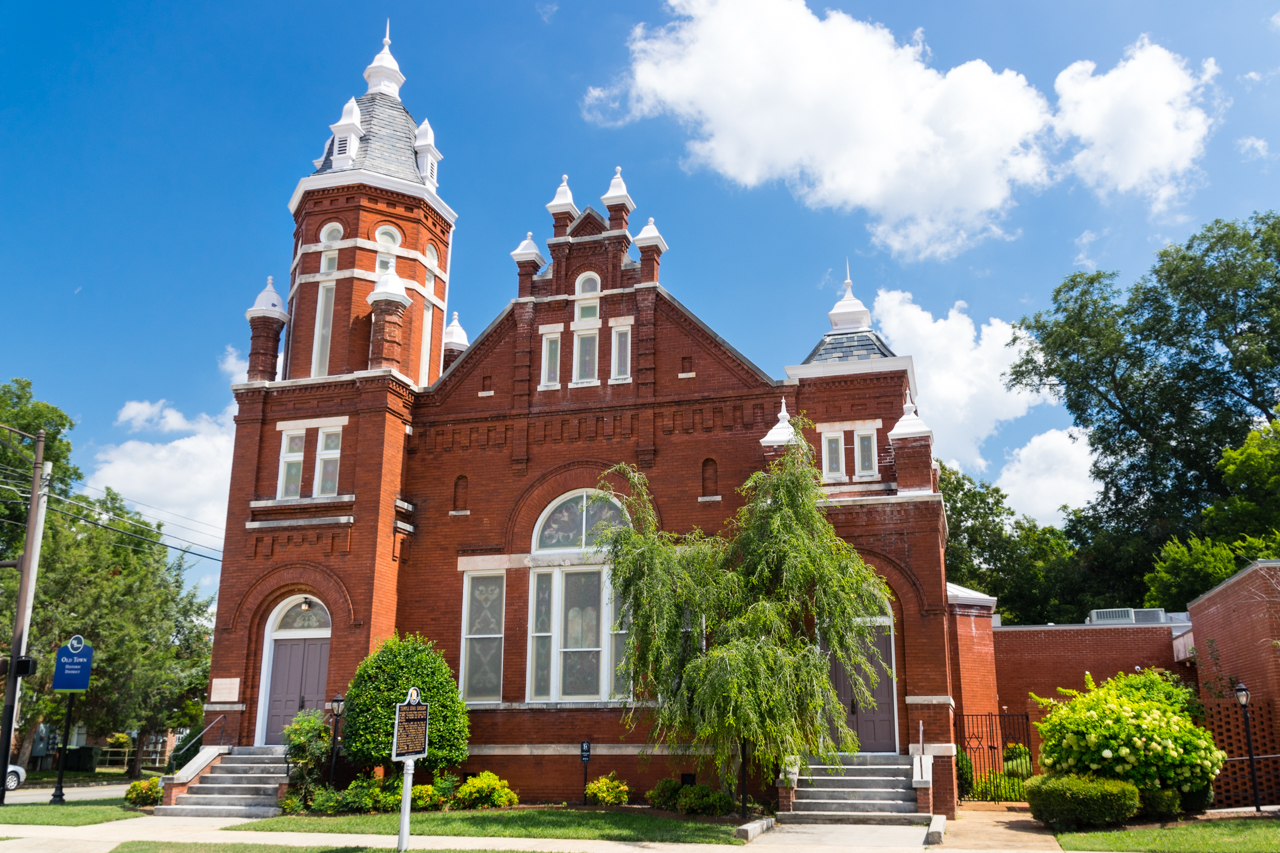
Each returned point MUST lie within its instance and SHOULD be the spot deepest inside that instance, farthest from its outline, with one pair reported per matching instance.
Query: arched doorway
(295, 665)
(877, 728)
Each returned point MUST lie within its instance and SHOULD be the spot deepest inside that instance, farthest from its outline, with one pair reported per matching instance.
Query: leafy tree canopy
(731, 638)
(381, 681)
(20, 410)
(1252, 474)
(1162, 377)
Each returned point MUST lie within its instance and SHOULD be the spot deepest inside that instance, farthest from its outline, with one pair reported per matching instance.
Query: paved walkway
(42, 795)
(996, 826)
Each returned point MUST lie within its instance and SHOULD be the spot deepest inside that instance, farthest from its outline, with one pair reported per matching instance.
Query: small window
(833, 456)
(585, 357)
(328, 453)
(306, 615)
(386, 264)
(293, 445)
(433, 258)
(340, 149)
(389, 236)
(331, 233)
(550, 359)
(324, 330)
(460, 493)
(588, 310)
(866, 453)
(483, 621)
(710, 479)
(621, 352)
(329, 262)
(588, 283)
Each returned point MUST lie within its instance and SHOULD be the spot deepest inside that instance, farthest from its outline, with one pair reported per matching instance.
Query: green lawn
(518, 823)
(114, 775)
(72, 813)
(171, 847)
(1256, 835)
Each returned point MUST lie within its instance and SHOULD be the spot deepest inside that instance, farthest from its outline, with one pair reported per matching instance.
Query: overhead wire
(185, 550)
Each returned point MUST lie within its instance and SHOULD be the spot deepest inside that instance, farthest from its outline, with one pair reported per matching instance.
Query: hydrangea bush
(1137, 728)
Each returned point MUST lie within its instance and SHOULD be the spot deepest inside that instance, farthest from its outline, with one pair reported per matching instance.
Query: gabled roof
(387, 146)
(849, 346)
(588, 224)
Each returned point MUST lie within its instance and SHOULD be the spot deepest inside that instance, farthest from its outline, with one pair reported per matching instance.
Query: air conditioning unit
(1149, 616)
(1112, 616)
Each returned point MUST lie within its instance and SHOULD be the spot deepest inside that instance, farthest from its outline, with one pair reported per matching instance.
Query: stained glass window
(312, 616)
(542, 635)
(484, 623)
(580, 635)
(574, 521)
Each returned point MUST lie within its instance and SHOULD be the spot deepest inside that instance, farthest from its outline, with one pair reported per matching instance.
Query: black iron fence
(994, 756)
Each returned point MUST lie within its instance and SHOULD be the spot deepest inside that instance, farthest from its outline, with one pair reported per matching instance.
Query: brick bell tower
(317, 528)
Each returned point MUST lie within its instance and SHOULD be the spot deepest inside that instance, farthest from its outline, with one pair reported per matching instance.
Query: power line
(114, 544)
(130, 534)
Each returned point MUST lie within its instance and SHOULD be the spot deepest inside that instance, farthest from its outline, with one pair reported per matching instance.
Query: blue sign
(71, 670)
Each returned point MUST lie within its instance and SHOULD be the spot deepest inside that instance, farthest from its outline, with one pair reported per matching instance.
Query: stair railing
(220, 721)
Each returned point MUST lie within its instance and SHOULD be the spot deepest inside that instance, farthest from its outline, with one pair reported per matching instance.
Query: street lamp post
(1242, 696)
(337, 705)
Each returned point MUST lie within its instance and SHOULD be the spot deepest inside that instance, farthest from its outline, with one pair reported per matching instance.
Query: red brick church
(392, 475)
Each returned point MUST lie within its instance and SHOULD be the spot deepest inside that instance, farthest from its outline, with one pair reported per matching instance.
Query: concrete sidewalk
(41, 795)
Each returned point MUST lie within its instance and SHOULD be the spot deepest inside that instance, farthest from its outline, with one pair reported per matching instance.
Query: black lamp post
(1242, 696)
(337, 705)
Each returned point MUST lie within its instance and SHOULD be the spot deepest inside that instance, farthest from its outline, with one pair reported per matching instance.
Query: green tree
(1161, 377)
(20, 410)
(1184, 572)
(381, 681)
(730, 639)
(1252, 474)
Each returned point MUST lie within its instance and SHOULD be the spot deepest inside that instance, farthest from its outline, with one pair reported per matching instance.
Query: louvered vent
(1114, 616)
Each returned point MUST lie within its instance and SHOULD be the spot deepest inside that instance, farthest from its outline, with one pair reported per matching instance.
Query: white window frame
(467, 578)
(329, 262)
(828, 476)
(286, 458)
(424, 362)
(268, 653)
(388, 229)
(547, 383)
(580, 381)
(386, 263)
(588, 276)
(615, 375)
(586, 303)
(323, 339)
(321, 456)
(329, 225)
(858, 470)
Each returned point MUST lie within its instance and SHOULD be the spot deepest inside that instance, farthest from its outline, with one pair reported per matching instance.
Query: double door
(874, 726)
(299, 670)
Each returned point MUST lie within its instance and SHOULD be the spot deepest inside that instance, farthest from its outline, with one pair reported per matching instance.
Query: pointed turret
(849, 314)
(455, 341)
(618, 202)
(266, 320)
(383, 73)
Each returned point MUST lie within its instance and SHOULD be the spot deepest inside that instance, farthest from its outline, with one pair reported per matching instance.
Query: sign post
(70, 676)
(409, 742)
(585, 748)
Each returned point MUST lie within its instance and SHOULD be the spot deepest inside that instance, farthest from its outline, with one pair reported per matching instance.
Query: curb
(751, 831)
(937, 826)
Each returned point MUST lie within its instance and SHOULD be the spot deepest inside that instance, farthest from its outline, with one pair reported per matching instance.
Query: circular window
(331, 233)
(588, 283)
(572, 521)
(306, 615)
(388, 236)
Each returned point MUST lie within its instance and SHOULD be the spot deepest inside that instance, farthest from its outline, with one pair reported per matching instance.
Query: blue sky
(152, 149)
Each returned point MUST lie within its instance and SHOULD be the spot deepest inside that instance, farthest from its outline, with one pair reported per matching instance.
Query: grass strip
(71, 813)
(1255, 835)
(172, 847)
(519, 823)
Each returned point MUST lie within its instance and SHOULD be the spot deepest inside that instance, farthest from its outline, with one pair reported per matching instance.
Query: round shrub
(1065, 802)
(484, 791)
(425, 798)
(382, 681)
(964, 774)
(1159, 804)
(1132, 727)
(307, 748)
(608, 791)
(664, 794)
(144, 792)
(702, 800)
(1197, 800)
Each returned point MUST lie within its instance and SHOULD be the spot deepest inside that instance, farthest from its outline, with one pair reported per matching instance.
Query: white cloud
(1140, 125)
(1051, 470)
(1083, 242)
(1275, 21)
(959, 370)
(234, 365)
(1252, 148)
(188, 476)
(851, 119)
(546, 11)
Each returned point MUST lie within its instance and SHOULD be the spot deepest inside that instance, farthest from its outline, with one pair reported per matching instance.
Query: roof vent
(1113, 616)
(1149, 616)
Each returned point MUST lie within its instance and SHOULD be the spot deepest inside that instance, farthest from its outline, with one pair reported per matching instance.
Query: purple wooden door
(873, 726)
(298, 678)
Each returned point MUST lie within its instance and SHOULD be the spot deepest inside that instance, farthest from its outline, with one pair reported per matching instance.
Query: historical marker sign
(73, 666)
(410, 738)
(586, 750)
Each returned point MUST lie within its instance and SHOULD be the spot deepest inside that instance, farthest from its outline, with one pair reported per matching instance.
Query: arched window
(460, 493)
(389, 236)
(588, 282)
(331, 233)
(570, 523)
(389, 240)
(306, 615)
(710, 481)
(433, 257)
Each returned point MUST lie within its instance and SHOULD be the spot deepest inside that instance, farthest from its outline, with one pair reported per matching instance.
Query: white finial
(563, 201)
(528, 235)
(390, 287)
(268, 304)
(783, 432)
(617, 193)
(455, 313)
(909, 425)
(386, 41)
(649, 236)
(848, 279)
(528, 251)
(454, 337)
(269, 283)
(849, 314)
(383, 74)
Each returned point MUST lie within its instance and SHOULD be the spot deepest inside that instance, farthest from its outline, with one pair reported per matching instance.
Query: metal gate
(995, 758)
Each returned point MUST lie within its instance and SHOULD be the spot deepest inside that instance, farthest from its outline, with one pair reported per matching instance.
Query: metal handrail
(221, 718)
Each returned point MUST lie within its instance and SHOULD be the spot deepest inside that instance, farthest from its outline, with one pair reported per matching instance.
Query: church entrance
(875, 727)
(295, 666)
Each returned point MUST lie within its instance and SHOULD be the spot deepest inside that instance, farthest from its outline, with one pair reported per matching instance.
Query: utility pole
(29, 564)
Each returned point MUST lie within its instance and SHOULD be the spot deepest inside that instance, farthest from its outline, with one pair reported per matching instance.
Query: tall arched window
(710, 480)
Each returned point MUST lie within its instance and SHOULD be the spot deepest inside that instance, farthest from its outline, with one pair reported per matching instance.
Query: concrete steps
(861, 789)
(244, 784)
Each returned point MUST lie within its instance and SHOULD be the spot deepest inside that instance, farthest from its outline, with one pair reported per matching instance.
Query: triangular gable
(588, 224)
(729, 354)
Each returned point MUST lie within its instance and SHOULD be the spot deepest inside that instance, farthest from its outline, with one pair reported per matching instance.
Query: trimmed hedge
(664, 794)
(1160, 804)
(703, 800)
(1065, 802)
